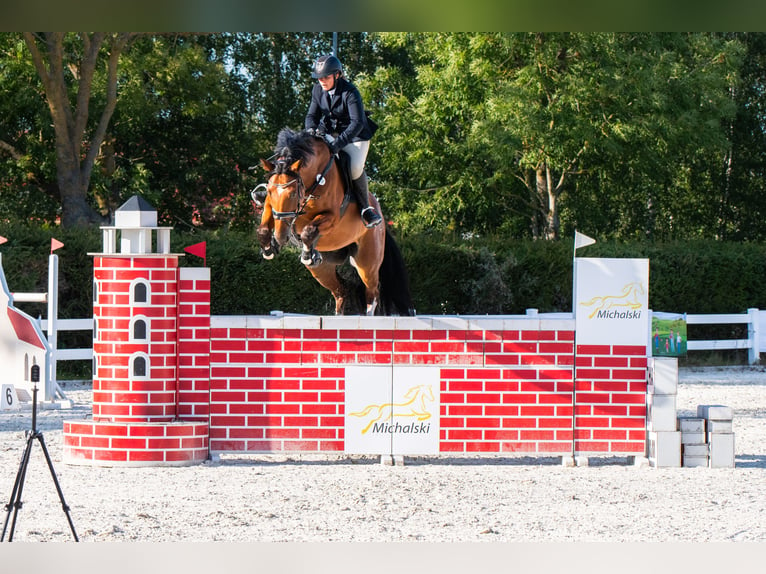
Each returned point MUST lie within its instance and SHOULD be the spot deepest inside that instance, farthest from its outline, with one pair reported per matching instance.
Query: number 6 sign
(8, 400)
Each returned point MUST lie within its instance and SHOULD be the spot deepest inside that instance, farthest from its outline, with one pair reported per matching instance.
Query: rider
(337, 109)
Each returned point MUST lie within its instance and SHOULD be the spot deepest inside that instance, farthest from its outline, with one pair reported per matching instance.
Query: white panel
(368, 409)
(416, 411)
(611, 301)
(392, 410)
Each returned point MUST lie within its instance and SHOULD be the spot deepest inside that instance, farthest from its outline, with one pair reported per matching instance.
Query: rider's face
(327, 82)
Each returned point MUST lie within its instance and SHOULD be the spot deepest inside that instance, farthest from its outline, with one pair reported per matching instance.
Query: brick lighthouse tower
(140, 416)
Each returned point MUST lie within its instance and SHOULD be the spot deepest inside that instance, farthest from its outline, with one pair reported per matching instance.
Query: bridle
(303, 195)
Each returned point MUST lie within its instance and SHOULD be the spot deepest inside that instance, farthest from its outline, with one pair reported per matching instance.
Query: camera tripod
(15, 501)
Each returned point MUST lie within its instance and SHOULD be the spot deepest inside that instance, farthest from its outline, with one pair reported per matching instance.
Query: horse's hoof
(268, 256)
(311, 258)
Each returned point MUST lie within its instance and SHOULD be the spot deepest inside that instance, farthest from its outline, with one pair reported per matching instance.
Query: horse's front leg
(309, 236)
(265, 233)
(269, 245)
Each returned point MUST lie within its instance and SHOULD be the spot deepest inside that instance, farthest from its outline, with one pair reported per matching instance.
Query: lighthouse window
(139, 329)
(95, 292)
(139, 367)
(140, 293)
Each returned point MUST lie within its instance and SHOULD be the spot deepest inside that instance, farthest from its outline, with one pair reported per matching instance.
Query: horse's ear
(295, 166)
(267, 165)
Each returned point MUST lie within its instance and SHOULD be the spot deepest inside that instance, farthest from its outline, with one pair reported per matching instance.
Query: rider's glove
(335, 147)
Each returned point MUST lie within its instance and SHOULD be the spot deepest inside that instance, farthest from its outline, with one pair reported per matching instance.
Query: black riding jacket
(344, 115)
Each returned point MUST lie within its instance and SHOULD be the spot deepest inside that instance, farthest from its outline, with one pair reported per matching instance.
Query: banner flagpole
(580, 240)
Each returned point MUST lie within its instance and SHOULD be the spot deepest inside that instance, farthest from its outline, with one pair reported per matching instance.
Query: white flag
(582, 240)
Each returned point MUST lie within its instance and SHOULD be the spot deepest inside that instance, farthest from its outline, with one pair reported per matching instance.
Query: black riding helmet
(326, 65)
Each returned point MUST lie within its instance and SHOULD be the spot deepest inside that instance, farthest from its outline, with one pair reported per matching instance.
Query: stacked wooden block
(719, 427)
(694, 447)
(663, 437)
(706, 440)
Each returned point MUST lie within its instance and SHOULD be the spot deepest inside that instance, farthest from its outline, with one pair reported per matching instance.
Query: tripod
(15, 501)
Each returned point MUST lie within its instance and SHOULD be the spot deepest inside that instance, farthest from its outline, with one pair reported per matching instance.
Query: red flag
(55, 244)
(2, 239)
(199, 250)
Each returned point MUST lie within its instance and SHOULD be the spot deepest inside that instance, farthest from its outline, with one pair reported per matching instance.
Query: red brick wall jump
(277, 383)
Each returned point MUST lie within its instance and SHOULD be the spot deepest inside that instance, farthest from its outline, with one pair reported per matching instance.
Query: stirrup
(370, 217)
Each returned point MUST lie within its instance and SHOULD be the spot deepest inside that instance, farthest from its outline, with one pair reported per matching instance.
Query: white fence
(755, 321)
(753, 318)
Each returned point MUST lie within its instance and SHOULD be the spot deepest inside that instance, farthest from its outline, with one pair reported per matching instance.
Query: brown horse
(307, 203)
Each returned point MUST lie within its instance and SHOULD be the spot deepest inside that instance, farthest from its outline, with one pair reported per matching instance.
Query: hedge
(447, 275)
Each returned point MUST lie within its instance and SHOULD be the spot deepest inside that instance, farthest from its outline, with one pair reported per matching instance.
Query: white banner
(392, 410)
(611, 301)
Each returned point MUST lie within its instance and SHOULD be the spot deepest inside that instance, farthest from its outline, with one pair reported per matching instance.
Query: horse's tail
(395, 297)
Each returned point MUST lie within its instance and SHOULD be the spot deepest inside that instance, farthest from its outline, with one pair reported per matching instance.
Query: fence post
(754, 336)
(53, 312)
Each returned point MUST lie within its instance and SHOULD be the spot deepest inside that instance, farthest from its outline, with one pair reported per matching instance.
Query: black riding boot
(370, 217)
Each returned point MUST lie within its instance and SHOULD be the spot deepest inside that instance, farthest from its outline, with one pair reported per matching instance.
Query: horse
(307, 204)
(413, 406)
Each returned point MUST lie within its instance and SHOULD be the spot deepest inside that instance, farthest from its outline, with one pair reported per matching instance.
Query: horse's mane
(293, 146)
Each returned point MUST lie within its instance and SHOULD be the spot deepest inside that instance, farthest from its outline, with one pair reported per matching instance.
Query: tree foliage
(625, 136)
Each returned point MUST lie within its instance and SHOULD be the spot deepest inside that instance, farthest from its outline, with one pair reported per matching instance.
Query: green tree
(28, 189)
(67, 67)
(481, 130)
(180, 135)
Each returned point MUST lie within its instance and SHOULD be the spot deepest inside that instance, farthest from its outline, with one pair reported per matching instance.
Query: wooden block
(722, 450)
(663, 376)
(695, 461)
(715, 412)
(662, 413)
(716, 426)
(696, 450)
(691, 424)
(665, 449)
(692, 438)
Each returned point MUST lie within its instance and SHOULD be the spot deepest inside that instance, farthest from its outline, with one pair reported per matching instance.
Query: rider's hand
(334, 146)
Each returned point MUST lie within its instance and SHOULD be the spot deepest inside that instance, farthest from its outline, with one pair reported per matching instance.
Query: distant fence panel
(754, 319)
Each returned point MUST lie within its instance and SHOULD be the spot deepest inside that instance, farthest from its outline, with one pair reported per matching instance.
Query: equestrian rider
(337, 109)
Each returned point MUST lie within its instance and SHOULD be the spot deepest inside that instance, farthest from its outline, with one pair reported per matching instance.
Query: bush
(447, 275)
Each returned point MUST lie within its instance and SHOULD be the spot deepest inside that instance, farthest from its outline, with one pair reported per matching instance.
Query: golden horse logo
(628, 298)
(414, 405)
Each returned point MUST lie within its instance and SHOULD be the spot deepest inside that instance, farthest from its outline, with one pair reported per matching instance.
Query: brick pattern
(135, 444)
(277, 384)
(276, 389)
(610, 413)
(140, 421)
(117, 395)
(194, 343)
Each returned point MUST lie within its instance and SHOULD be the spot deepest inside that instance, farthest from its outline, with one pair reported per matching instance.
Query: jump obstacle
(173, 385)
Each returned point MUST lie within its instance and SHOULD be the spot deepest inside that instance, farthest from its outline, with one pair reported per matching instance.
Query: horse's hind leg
(367, 263)
(327, 276)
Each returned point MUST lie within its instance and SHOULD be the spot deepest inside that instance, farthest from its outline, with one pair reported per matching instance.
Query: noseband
(306, 194)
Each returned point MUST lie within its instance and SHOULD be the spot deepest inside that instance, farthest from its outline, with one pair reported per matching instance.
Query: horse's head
(283, 193)
(297, 179)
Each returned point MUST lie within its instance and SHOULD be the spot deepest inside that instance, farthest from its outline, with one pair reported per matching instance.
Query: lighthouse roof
(136, 212)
